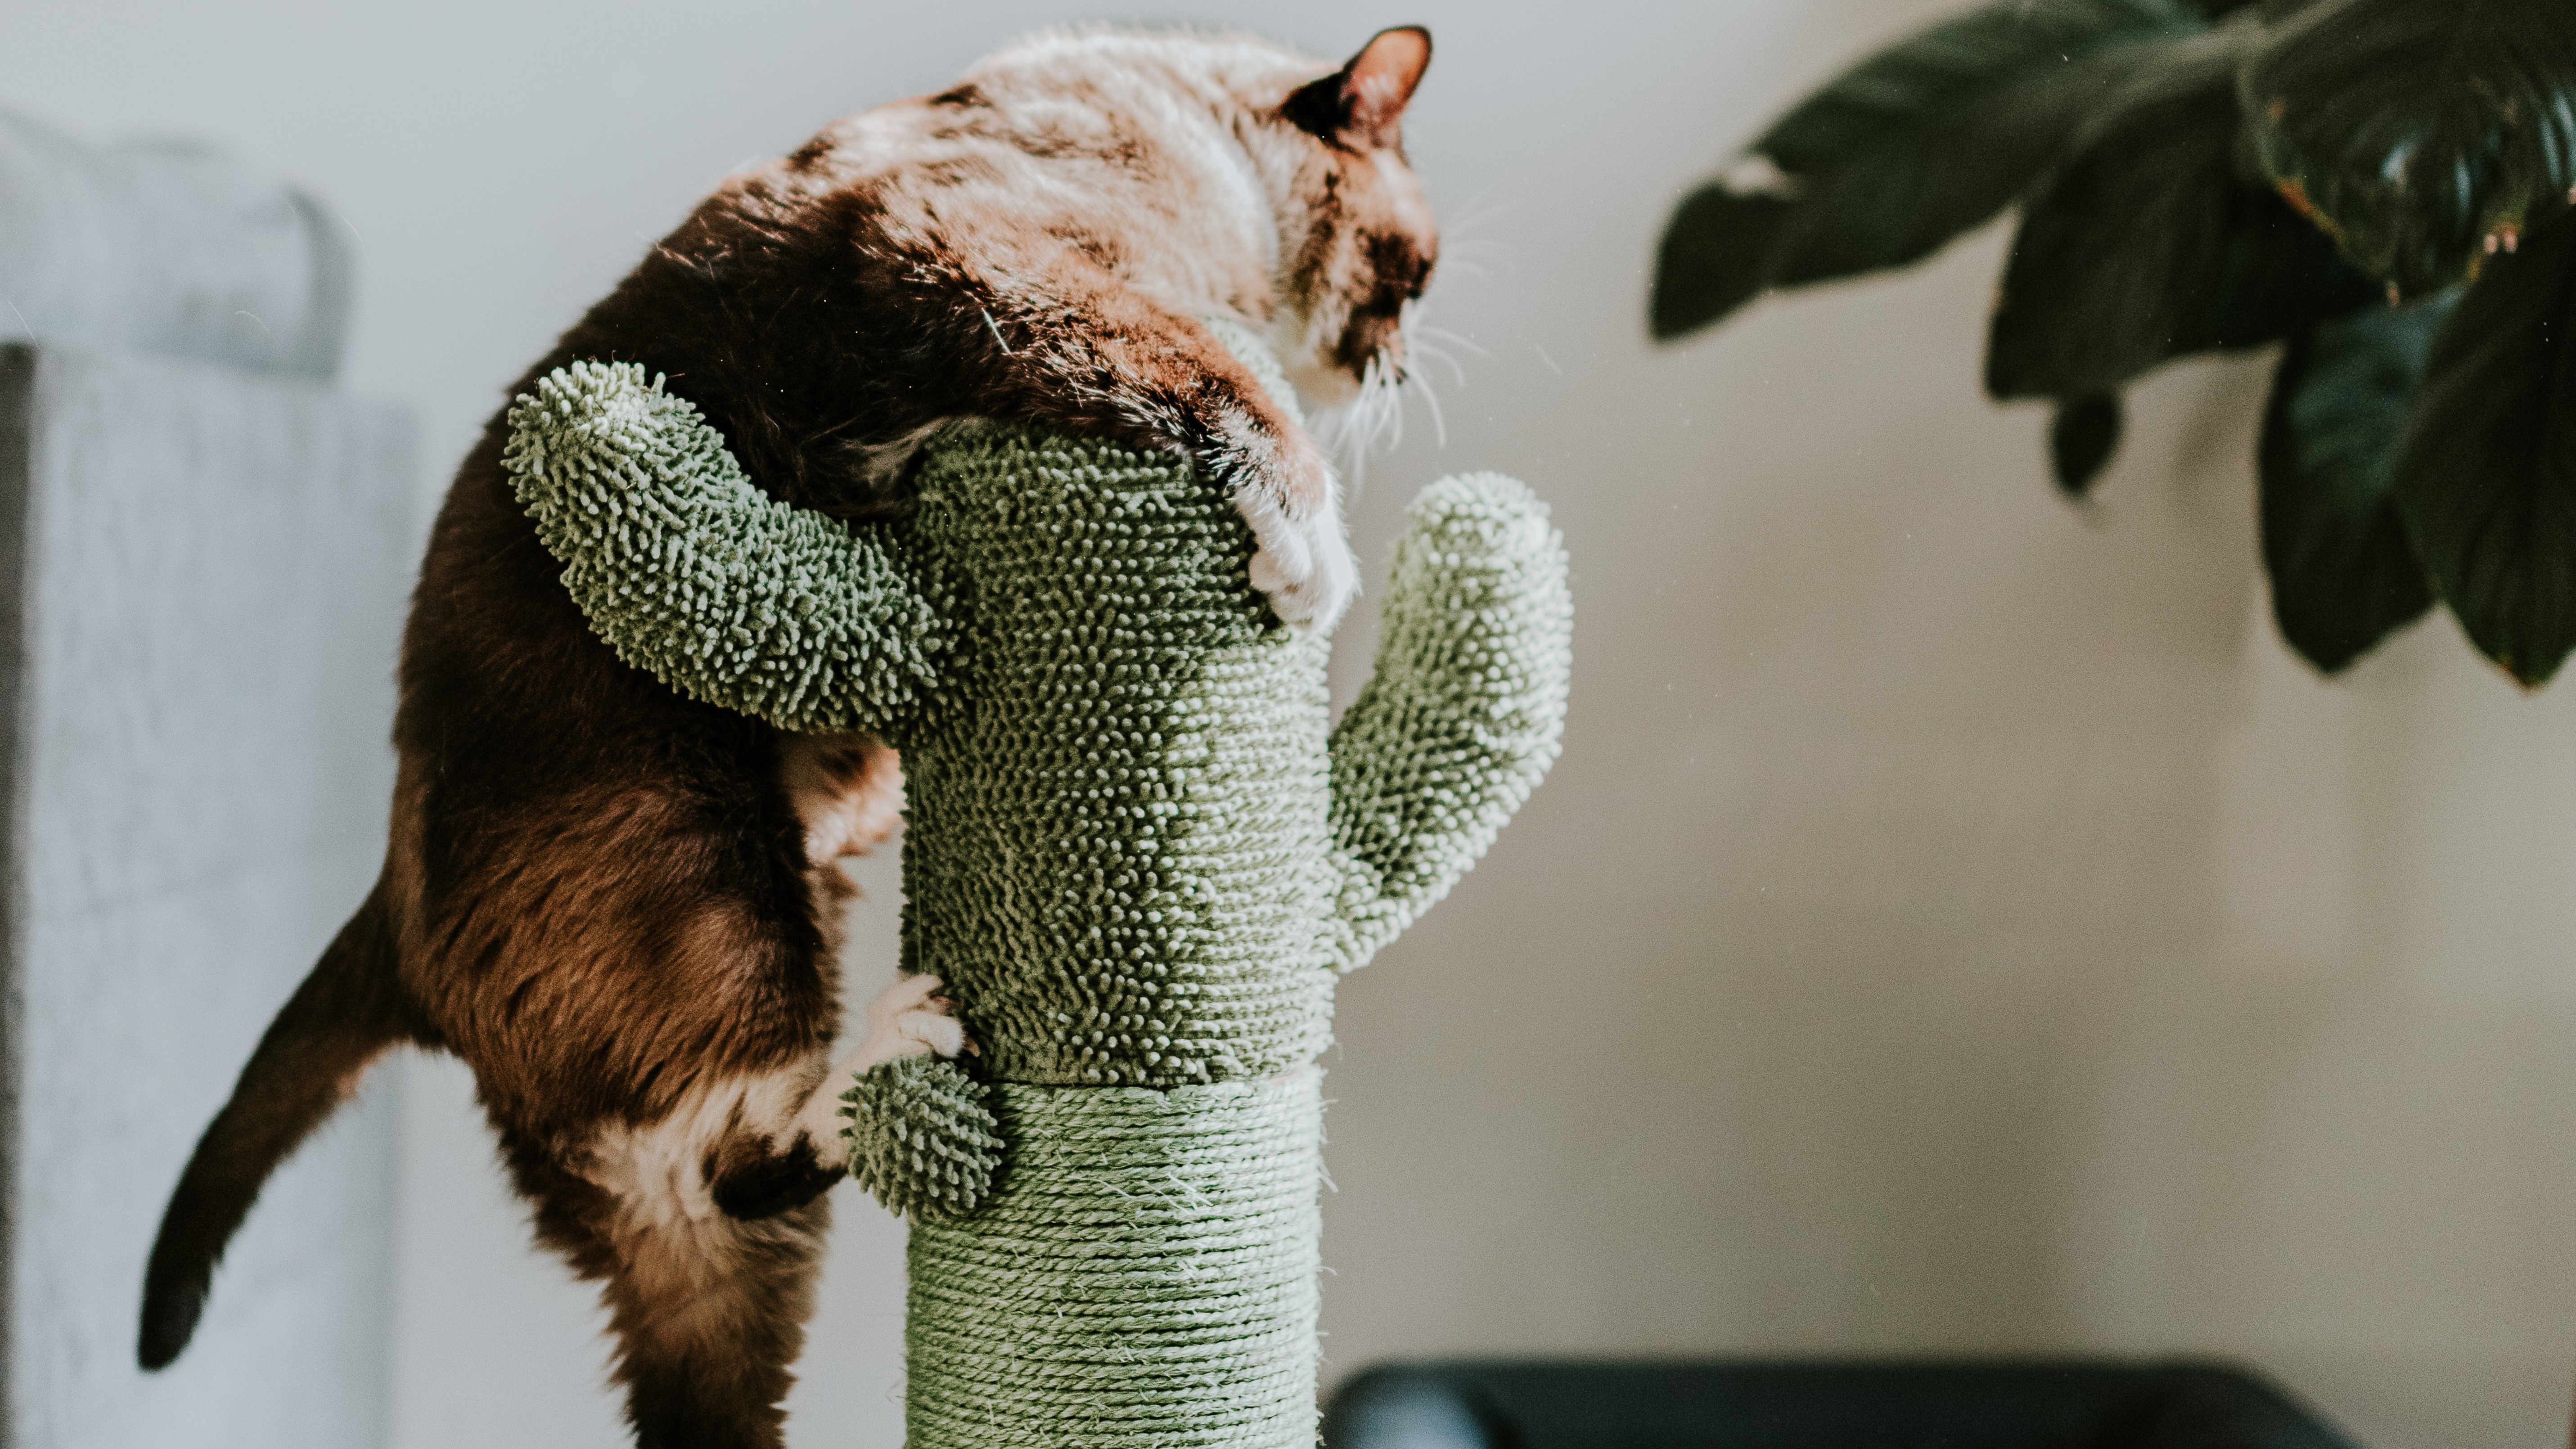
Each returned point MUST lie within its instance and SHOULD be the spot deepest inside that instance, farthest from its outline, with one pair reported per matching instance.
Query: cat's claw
(910, 1019)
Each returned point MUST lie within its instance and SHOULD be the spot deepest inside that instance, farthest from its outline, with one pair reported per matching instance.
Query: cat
(619, 906)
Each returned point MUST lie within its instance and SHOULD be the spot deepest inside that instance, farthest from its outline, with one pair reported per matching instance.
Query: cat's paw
(1305, 569)
(910, 1019)
(751, 1180)
(1301, 560)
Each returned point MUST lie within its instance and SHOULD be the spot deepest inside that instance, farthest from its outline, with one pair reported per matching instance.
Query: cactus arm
(1464, 712)
(696, 577)
(921, 1137)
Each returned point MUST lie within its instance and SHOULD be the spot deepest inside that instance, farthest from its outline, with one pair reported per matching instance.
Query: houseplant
(2385, 186)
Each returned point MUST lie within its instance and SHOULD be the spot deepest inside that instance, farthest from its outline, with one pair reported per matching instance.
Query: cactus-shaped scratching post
(1138, 853)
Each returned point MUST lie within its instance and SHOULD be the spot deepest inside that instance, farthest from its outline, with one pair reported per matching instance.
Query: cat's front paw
(1301, 560)
(1305, 569)
(910, 1019)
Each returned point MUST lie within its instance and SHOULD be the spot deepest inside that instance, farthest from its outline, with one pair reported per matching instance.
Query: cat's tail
(307, 1063)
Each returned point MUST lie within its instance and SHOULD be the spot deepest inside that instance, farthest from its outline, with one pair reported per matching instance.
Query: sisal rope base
(1143, 1277)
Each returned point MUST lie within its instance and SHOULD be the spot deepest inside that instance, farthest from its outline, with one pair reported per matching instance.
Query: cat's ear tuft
(1362, 104)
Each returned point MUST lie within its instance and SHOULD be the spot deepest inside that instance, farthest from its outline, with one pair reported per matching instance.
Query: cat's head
(1218, 173)
(1359, 240)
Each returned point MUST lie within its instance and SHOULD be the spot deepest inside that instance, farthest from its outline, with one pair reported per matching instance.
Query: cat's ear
(1362, 104)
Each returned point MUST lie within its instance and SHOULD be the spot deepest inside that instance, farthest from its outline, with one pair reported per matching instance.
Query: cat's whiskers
(1471, 219)
(1371, 420)
(1465, 253)
(1458, 339)
(1426, 351)
(1418, 343)
(1431, 399)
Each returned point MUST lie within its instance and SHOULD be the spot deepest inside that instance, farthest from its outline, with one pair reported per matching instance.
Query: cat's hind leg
(707, 1310)
(709, 1317)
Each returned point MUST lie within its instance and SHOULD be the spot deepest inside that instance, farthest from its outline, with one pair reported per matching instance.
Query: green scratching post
(1138, 854)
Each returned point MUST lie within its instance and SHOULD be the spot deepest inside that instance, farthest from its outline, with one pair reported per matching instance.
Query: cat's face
(1364, 238)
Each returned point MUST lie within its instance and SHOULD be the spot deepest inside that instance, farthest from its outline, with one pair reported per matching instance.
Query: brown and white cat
(619, 906)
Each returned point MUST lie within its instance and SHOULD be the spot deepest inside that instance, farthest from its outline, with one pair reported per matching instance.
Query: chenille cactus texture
(718, 590)
(1138, 853)
(930, 1143)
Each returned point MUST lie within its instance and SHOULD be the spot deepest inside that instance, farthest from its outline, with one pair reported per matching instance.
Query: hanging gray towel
(170, 248)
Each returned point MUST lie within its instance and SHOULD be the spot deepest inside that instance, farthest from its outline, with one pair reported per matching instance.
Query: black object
(1989, 1404)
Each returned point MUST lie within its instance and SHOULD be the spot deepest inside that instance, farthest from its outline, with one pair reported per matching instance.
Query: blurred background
(1957, 922)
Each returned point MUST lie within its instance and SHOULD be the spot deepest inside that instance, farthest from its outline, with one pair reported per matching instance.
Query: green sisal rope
(1145, 1275)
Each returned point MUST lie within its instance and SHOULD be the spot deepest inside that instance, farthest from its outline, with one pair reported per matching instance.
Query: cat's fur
(619, 906)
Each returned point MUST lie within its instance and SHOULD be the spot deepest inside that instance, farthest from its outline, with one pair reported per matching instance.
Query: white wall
(1956, 923)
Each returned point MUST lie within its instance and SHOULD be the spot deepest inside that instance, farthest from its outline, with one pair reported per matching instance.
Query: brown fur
(621, 907)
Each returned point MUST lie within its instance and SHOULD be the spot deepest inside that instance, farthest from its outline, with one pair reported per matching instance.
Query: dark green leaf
(2149, 245)
(1715, 256)
(1954, 67)
(2344, 574)
(1919, 143)
(2081, 439)
(2425, 134)
(2487, 479)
